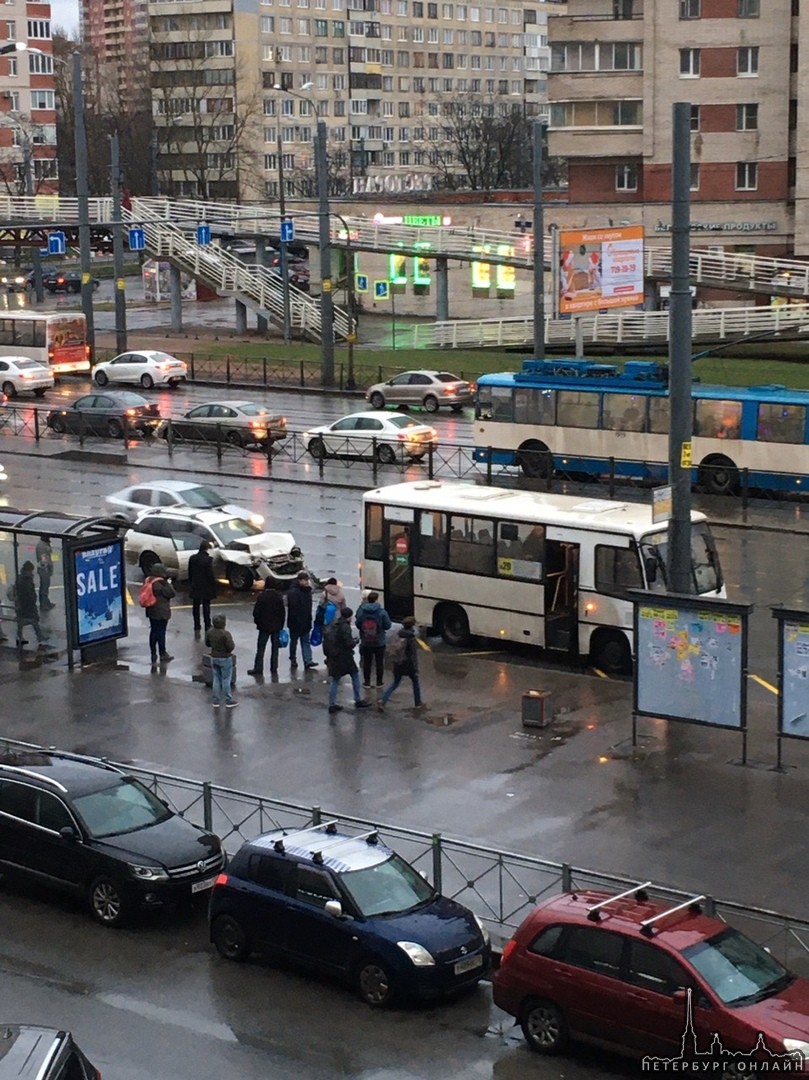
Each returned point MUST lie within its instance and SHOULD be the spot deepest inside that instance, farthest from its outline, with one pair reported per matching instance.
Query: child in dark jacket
(408, 665)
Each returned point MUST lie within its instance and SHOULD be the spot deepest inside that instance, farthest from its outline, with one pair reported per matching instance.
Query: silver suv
(242, 553)
(432, 389)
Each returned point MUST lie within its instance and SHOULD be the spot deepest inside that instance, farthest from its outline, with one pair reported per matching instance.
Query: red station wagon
(644, 977)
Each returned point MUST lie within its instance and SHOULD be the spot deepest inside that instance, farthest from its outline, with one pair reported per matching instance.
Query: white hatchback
(18, 373)
(145, 367)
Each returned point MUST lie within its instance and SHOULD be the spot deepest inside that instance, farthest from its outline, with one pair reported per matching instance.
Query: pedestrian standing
(159, 613)
(406, 662)
(269, 615)
(220, 641)
(44, 556)
(338, 644)
(333, 592)
(25, 603)
(373, 622)
(201, 585)
(299, 620)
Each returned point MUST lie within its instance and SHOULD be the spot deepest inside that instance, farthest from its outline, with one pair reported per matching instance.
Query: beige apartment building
(617, 68)
(384, 75)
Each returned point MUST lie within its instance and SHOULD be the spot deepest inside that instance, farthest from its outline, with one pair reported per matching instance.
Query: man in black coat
(201, 585)
(25, 602)
(269, 615)
(299, 620)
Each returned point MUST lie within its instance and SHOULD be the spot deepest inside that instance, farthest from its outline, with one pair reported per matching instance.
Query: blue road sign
(287, 232)
(381, 290)
(56, 243)
(203, 234)
(361, 282)
(137, 240)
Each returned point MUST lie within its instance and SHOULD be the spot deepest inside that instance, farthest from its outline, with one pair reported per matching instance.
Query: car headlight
(148, 873)
(256, 519)
(801, 1045)
(484, 933)
(417, 953)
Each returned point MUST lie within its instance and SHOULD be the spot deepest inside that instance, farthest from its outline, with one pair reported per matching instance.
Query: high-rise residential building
(27, 102)
(236, 85)
(617, 68)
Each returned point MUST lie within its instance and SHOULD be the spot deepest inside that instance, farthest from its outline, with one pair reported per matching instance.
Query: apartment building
(27, 102)
(617, 68)
(116, 36)
(384, 75)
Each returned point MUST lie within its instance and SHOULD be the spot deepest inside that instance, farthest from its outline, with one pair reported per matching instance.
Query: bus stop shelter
(79, 605)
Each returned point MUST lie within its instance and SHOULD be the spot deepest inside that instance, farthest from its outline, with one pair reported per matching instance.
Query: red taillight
(449, 389)
(510, 946)
(220, 879)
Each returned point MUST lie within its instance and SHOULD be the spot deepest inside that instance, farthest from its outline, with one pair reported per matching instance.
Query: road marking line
(601, 674)
(764, 683)
(424, 645)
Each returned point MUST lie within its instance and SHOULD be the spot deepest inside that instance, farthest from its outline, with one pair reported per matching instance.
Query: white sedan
(18, 373)
(146, 367)
(388, 436)
(131, 501)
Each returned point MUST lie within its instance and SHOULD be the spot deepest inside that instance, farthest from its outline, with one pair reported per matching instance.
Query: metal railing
(438, 461)
(500, 886)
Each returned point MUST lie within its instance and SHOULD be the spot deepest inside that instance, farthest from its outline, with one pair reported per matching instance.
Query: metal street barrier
(501, 887)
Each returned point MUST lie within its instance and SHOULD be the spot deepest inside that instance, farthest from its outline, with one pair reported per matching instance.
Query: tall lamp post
(352, 333)
(82, 189)
(326, 298)
(282, 209)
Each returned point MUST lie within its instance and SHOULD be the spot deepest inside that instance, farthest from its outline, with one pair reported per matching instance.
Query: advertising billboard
(600, 268)
(97, 584)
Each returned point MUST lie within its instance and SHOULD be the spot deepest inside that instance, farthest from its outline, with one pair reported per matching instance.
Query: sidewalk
(677, 809)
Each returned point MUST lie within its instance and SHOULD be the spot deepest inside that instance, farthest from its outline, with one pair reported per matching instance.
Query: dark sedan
(240, 423)
(106, 413)
(68, 281)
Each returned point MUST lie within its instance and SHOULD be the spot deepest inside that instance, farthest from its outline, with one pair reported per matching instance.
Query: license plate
(201, 886)
(469, 963)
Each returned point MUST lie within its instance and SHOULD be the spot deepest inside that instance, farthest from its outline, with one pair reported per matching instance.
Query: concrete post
(176, 294)
(262, 324)
(441, 288)
(241, 317)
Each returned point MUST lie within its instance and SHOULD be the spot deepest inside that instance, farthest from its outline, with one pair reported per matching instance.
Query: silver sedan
(389, 437)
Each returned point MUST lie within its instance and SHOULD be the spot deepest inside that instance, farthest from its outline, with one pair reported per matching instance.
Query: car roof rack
(647, 927)
(328, 827)
(371, 837)
(35, 775)
(638, 891)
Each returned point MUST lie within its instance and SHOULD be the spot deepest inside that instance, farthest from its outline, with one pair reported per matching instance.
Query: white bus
(549, 570)
(59, 341)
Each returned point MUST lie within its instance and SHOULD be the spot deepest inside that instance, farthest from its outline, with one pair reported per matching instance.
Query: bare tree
(482, 144)
(301, 180)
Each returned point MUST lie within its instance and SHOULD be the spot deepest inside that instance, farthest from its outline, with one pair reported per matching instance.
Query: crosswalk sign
(361, 283)
(381, 290)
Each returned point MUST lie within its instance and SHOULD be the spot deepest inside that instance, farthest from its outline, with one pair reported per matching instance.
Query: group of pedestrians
(291, 624)
(31, 602)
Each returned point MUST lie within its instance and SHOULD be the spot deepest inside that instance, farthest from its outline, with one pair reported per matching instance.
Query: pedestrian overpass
(170, 226)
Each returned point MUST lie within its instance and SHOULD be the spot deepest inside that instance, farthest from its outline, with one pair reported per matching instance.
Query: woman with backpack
(155, 596)
(404, 658)
(373, 622)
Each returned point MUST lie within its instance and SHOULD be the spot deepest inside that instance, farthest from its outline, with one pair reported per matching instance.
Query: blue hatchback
(350, 907)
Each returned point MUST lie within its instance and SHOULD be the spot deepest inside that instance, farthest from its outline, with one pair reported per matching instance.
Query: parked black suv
(39, 1053)
(350, 907)
(83, 826)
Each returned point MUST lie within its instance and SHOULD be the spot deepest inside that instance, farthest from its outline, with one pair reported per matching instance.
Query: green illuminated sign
(397, 274)
(421, 221)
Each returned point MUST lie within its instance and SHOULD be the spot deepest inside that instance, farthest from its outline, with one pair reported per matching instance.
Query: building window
(42, 99)
(746, 176)
(689, 9)
(747, 117)
(747, 60)
(749, 9)
(626, 178)
(695, 117)
(689, 63)
(694, 179)
(39, 64)
(40, 29)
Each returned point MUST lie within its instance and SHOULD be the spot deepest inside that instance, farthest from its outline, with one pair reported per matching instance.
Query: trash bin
(536, 708)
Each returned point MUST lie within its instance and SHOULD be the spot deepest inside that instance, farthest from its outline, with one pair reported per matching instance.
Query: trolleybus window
(718, 419)
(659, 415)
(781, 423)
(624, 412)
(534, 406)
(577, 408)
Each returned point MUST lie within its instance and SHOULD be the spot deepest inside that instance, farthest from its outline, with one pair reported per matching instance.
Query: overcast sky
(65, 14)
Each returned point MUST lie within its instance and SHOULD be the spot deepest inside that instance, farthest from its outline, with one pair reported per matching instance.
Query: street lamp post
(283, 212)
(352, 334)
(83, 196)
(117, 245)
(326, 297)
